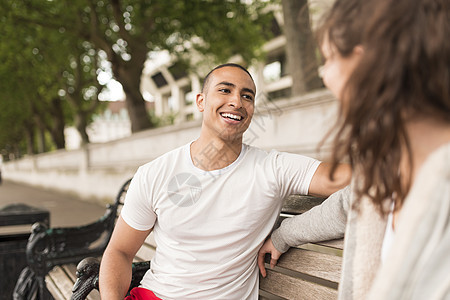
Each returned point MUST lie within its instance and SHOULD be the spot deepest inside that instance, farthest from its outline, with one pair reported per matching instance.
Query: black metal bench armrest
(49, 247)
(88, 276)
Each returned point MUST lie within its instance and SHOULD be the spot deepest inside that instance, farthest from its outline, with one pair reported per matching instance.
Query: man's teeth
(231, 116)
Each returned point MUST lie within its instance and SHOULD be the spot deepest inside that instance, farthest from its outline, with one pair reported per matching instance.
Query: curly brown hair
(403, 75)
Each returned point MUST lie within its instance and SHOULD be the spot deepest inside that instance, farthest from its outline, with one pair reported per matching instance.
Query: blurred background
(91, 89)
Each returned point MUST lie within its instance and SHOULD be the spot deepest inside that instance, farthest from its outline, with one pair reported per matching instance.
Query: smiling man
(227, 114)
(210, 203)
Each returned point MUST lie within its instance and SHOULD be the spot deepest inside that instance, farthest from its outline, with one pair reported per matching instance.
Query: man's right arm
(115, 267)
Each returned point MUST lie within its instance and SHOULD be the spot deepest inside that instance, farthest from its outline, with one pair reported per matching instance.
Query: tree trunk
(57, 130)
(131, 81)
(40, 137)
(300, 47)
(58, 137)
(129, 75)
(81, 124)
(41, 140)
(29, 132)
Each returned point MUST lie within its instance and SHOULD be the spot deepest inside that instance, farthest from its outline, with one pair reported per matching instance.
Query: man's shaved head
(233, 65)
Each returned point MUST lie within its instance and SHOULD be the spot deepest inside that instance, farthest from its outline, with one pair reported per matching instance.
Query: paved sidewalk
(65, 210)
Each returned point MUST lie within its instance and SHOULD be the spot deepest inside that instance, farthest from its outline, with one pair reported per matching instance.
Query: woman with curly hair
(388, 62)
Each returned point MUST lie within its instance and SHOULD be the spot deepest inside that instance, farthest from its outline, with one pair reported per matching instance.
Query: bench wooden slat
(290, 287)
(53, 289)
(70, 271)
(298, 204)
(94, 295)
(338, 244)
(263, 295)
(146, 252)
(137, 260)
(62, 281)
(148, 249)
(150, 240)
(312, 263)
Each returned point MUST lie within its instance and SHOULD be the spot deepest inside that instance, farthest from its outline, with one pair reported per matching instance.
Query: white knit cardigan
(418, 263)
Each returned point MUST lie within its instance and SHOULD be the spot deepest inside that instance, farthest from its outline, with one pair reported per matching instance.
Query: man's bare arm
(115, 267)
(321, 184)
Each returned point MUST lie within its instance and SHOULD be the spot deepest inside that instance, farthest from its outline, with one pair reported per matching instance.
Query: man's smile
(231, 116)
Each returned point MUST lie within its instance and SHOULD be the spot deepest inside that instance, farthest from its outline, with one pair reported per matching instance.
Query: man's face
(227, 103)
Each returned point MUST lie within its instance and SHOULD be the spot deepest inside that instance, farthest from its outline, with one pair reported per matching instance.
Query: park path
(65, 210)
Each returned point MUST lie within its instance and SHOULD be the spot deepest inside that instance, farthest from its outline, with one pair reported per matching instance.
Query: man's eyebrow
(248, 90)
(226, 83)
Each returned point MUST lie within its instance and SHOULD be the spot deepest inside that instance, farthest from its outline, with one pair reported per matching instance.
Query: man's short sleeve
(295, 172)
(137, 210)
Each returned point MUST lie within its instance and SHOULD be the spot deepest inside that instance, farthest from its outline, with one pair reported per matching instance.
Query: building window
(275, 67)
(272, 72)
(159, 80)
(275, 27)
(178, 70)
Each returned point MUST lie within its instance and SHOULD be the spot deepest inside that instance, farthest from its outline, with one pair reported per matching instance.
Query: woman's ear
(200, 101)
(359, 50)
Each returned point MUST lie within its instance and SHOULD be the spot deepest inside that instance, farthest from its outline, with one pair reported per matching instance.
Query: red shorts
(139, 293)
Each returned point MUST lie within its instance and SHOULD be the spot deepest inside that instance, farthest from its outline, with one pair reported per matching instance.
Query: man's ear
(200, 100)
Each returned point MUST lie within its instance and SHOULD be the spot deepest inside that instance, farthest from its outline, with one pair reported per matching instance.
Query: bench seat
(311, 269)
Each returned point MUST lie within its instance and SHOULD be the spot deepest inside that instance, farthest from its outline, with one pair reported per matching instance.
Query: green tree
(24, 76)
(127, 30)
(81, 87)
(49, 74)
(52, 52)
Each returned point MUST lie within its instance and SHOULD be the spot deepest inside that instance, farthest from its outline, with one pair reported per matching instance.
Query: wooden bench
(310, 271)
(52, 252)
(305, 272)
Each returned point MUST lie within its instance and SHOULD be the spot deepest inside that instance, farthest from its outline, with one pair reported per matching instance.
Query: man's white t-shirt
(209, 225)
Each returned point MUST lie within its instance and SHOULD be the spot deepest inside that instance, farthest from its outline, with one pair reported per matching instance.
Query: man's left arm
(323, 186)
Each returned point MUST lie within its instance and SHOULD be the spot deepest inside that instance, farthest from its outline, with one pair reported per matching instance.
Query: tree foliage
(128, 30)
(27, 83)
(54, 50)
(41, 73)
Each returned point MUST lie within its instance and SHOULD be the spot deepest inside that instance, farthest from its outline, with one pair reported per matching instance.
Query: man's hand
(268, 247)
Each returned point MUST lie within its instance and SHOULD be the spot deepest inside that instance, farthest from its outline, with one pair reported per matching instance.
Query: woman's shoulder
(438, 163)
(433, 178)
